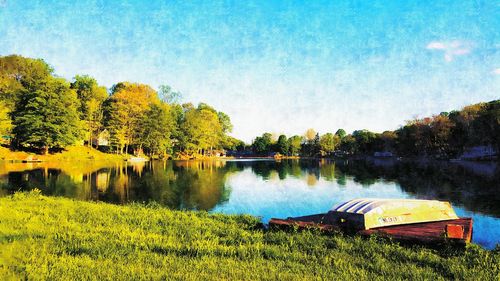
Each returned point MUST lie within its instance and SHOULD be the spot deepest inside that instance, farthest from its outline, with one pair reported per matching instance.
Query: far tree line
(43, 112)
(445, 135)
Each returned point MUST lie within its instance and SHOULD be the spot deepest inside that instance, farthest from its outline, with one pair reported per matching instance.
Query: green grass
(71, 153)
(56, 238)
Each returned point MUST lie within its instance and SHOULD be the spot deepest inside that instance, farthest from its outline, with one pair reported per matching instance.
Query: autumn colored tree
(309, 135)
(440, 131)
(125, 110)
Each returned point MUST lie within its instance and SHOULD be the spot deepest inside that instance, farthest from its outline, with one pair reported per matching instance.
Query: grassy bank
(71, 153)
(56, 238)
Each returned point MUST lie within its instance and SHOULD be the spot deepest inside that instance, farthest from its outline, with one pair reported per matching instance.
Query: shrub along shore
(57, 238)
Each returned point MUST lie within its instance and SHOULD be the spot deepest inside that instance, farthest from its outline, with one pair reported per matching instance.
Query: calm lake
(269, 188)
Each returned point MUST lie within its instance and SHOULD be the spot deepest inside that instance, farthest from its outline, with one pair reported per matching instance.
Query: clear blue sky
(276, 66)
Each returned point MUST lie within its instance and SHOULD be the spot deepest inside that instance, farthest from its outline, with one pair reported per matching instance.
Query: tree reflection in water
(203, 184)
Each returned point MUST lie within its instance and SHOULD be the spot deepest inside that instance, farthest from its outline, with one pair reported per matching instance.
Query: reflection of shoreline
(471, 185)
(483, 168)
(73, 167)
(176, 184)
(201, 184)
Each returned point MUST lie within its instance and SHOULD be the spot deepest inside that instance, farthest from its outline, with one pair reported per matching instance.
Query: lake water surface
(269, 188)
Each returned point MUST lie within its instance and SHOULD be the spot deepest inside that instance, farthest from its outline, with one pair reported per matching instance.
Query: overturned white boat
(368, 213)
(419, 221)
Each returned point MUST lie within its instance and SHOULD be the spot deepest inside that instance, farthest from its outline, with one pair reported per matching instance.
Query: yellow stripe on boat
(366, 213)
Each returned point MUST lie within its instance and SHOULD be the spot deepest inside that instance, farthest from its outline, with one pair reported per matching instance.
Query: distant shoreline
(85, 153)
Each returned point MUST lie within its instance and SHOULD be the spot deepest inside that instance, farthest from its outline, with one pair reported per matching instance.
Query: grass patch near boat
(57, 238)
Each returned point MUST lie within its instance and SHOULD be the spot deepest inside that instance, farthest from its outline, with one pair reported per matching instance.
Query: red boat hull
(458, 230)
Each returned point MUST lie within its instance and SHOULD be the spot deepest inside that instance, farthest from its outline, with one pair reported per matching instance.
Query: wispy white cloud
(451, 49)
(496, 71)
(436, 46)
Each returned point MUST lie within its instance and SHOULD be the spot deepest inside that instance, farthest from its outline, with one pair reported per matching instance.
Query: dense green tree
(365, 140)
(340, 133)
(295, 143)
(156, 127)
(440, 130)
(328, 142)
(46, 115)
(316, 147)
(225, 122)
(18, 75)
(348, 144)
(91, 97)
(202, 129)
(177, 136)
(263, 145)
(283, 145)
(231, 143)
(5, 121)
(386, 141)
(311, 146)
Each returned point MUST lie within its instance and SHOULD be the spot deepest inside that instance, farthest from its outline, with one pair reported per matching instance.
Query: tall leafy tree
(202, 129)
(349, 145)
(365, 140)
(5, 121)
(156, 127)
(310, 134)
(45, 115)
(231, 143)
(311, 146)
(328, 142)
(18, 74)
(91, 97)
(283, 145)
(341, 133)
(263, 145)
(295, 143)
(125, 110)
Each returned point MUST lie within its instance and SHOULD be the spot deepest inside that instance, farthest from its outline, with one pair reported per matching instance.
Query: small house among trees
(102, 139)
